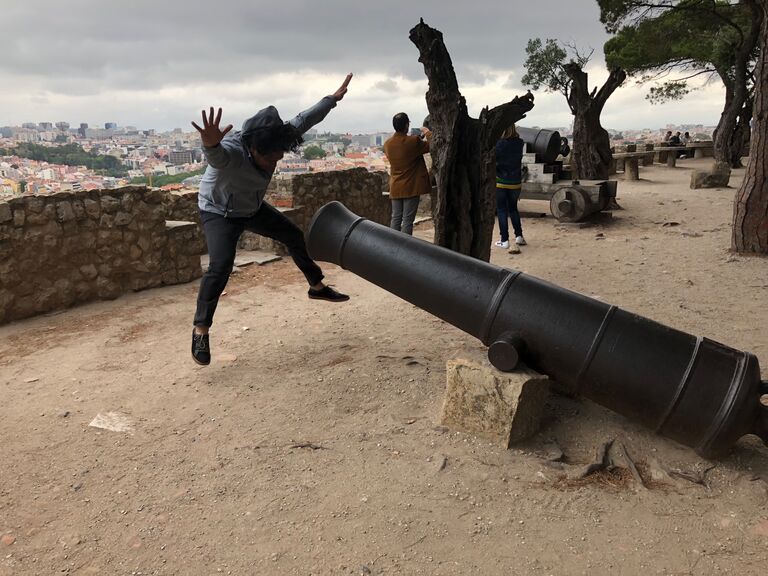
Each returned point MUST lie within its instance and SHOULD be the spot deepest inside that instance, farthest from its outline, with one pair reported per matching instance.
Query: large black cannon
(692, 389)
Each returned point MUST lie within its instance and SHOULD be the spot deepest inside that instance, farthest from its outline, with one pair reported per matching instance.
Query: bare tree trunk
(591, 147)
(591, 143)
(462, 150)
(750, 210)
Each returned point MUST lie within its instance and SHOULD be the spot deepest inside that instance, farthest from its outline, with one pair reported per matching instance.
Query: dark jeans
(506, 208)
(222, 234)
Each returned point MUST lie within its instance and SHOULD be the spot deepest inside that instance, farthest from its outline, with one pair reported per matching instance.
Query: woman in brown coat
(408, 176)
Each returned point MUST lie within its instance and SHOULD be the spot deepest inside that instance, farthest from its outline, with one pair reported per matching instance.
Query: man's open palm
(210, 133)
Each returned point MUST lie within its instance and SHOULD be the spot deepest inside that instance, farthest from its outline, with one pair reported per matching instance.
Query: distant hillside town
(44, 158)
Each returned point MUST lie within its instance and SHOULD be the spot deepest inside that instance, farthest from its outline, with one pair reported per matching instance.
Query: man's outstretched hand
(339, 94)
(210, 133)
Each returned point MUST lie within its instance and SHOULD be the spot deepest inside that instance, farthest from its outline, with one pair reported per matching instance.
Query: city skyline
(122, 129)
(154, 67)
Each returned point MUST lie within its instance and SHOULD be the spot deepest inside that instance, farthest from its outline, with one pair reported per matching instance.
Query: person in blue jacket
(509, 175)
(231, 200)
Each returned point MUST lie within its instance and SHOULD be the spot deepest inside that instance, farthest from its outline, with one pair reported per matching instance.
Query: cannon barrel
(691, 389)
(546, 144)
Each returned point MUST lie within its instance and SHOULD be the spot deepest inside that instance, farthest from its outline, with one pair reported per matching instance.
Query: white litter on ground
(114, 421)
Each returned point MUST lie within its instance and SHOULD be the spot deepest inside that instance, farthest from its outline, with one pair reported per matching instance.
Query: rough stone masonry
(71, 247)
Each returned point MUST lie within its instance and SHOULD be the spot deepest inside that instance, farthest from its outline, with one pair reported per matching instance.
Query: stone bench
(702, 149)
(672, 158)
(631, 161)
(181, 256)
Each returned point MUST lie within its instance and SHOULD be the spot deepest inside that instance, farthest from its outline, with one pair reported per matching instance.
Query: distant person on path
(509, 176)
(231, 200)
(408, 176)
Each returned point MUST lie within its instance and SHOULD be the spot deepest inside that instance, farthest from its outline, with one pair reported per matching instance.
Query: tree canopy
(692, 38)
(545, 66)
(313, 152)
(69, 155)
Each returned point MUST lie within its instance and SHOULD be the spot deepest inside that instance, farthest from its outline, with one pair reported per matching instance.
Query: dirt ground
(311, 444)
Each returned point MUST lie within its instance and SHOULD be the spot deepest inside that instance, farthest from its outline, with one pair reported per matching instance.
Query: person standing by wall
(408, 176)
(231, 200)
(509, 175)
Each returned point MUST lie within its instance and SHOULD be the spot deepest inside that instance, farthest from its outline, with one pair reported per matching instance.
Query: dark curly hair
(269, 139)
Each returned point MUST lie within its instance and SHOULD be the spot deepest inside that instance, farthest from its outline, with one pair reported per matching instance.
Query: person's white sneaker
(500, 244)
(520, 241)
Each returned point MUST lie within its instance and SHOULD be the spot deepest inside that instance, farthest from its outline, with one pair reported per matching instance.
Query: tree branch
(504, 115)
(615, 79)
(579, 88)
(437, 62)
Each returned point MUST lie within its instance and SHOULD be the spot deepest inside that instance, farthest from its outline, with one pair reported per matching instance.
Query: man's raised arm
(312, 116)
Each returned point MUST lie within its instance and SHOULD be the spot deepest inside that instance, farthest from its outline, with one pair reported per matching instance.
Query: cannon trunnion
(691, 389)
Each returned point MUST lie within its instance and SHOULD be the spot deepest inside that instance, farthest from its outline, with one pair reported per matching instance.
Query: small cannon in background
(546, 144)
(691, 389)
(547, 179)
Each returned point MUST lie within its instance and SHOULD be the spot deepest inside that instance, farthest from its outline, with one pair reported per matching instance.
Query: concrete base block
(504, 407)
(717, 178)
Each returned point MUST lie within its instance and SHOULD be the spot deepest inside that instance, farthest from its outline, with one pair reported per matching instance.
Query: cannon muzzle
(691, 389)
(547, 144)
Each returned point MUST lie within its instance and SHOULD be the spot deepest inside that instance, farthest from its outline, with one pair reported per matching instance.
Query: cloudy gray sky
(155, 64)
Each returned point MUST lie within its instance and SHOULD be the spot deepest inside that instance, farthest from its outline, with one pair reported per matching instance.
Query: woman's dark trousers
(506, 208)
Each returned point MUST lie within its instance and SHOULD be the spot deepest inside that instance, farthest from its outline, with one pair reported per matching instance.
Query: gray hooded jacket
(233, 185)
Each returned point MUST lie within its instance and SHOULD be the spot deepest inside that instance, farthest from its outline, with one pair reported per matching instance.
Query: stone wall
(72, 247)
(361, 191)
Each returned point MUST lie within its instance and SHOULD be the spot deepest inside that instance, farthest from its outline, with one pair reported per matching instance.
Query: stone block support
(504, 407)
(717, 178)
(648, 158)
(631, 169)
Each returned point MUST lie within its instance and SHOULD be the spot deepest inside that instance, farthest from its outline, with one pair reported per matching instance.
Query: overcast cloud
(156, 64)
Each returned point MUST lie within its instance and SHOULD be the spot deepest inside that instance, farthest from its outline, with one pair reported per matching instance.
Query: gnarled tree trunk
(728, 136)
(737, 112)
(591, 143)
(750, 211)
(462, 150)
(741, 134)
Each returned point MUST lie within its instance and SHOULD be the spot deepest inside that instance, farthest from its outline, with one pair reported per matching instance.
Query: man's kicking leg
(269, 222)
